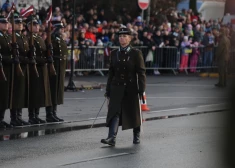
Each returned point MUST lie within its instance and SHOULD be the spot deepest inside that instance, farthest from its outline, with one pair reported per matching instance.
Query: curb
(53, 128)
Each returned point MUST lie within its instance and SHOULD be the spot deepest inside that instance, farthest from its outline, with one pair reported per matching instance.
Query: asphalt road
(163, 92)
(185, 142)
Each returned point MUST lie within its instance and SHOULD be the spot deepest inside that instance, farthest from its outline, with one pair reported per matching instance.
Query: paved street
(185, 142)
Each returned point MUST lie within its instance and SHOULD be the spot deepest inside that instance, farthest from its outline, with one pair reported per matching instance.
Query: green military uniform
(39, 87)
(126, 82)
(60, 53)
(20, 85)
(8, 68)
(222, 57)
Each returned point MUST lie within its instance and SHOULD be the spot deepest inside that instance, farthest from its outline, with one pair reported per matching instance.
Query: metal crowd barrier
(200, 59)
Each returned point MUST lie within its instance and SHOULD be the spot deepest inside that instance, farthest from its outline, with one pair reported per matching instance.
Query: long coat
(223, 50)
(126, 79)
(20, 85)
(8, 68)
(39, 87)
(60, 53)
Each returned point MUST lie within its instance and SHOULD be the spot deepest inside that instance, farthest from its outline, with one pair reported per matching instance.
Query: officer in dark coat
(39, 87)
(60, 53)
(20, 86)
(222, 56)
(8, 68)
(126, 83)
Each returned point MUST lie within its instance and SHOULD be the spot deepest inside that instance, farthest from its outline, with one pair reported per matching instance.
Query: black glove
(141, 94)
(107, 94)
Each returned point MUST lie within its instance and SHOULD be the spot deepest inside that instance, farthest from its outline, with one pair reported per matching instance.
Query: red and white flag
(27, 12)
(49, 15)
(13, 7)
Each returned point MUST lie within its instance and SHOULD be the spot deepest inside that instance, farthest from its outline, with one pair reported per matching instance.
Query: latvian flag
(27, 12)
(49, 15)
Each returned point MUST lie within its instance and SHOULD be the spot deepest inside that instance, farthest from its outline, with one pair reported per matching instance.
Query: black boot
(37, 116)
(49, 115)
(136, 135)
(2, 114)
(113, 129)
(14, 121)
(32, 119)
(54, 111)
(19, 117)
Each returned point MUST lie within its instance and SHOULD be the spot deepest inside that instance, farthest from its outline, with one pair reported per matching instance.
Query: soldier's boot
(3, 124)
(136, 135)
(49, 115)
(14, 121)
(19, 117)
(32, 119)
(54, 111)
(113, 129)
(37, 116)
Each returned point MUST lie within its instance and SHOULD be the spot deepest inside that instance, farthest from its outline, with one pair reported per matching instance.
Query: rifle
(50, 51)
(15, 49)
(32, 52)
(2, 75)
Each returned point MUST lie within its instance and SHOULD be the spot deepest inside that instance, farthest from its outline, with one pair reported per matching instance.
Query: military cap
(57, 24)
(17, 18)
(124, 30)
(3, 19)
(31, 19)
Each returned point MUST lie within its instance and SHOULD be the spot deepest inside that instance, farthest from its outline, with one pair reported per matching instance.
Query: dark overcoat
(39, 87)
(126, 79)
(8, 68)
(20, 85)
(60, 53)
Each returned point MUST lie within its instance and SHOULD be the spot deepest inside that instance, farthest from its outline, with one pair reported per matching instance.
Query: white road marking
(99, 158)
(97, 118)
(208, 105)
(180, 85)
(159, 111)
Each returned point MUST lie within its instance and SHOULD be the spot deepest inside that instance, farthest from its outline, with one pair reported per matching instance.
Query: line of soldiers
(35, 87)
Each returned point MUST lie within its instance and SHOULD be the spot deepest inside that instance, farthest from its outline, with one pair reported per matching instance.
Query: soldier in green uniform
(222, 57)
(60, 53)
(20, 86)
(8, 68)
(126, 82)
(39, 87)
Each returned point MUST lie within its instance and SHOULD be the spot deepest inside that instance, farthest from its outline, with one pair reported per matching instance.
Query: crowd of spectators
(171, 28)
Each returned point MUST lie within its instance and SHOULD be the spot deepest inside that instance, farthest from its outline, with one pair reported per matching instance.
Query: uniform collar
(125, 49)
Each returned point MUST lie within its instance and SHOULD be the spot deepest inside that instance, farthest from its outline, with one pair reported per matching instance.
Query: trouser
(222, 68)
(2, 114)
(184, 63)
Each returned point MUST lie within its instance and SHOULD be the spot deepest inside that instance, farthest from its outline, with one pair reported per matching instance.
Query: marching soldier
(20, 89)
(60, 53)
(126, 82)
(39, 87)
(8, 68)
(222, 57)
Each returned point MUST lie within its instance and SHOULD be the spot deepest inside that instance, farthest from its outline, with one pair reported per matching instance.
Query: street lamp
(71, 85)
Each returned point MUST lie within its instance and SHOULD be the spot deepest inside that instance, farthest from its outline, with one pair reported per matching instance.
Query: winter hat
(99, 42)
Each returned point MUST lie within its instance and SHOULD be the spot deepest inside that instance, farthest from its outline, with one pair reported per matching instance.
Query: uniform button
(124, 84)
(124, 68)
(124, 60)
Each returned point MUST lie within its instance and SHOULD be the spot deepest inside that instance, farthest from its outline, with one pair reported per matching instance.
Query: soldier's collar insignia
(1, 34)
(57, 38)
(18, 34)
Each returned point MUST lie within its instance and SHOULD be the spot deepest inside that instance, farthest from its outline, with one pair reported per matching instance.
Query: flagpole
(71, 85)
